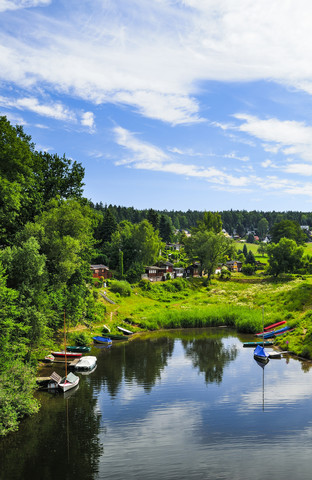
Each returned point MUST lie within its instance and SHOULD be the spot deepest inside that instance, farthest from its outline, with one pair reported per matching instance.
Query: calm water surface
(190, 404)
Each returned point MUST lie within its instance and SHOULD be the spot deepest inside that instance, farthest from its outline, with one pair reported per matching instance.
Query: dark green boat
(261, 343)
(112, 336)
(77, 348)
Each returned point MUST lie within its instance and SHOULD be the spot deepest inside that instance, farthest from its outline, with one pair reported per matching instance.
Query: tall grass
(242, 318)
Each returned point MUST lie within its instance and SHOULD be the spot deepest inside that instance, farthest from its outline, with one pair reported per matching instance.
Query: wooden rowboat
(67, 354)
(77, 348)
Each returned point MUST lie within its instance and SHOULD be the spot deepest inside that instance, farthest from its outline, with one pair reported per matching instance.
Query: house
(100, 271)
(234, 265)
(159, 273)
(178, 272)
(192, 270)
(173, 246)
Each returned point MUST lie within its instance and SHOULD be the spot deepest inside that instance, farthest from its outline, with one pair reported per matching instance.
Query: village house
(100, 271)
(234, 265)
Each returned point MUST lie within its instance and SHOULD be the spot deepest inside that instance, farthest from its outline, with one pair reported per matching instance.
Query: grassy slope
(237, 303)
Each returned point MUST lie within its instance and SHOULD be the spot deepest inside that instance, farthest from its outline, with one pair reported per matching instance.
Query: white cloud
(19, 4)
(53, 110)
(145, 156)
(299, 168)
(157, 59)
(87, 120)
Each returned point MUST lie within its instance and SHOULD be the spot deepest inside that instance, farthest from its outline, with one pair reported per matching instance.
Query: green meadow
(240, 303)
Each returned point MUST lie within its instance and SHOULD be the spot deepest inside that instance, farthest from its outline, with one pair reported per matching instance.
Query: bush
(248, 269)
(122, 287)
(80, 339)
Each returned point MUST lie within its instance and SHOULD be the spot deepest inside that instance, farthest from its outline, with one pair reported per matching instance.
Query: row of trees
(234, 221)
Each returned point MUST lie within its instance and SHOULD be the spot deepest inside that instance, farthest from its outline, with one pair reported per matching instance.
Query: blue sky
(168, 104)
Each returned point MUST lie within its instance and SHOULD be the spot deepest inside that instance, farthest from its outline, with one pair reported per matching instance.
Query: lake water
(189, 404)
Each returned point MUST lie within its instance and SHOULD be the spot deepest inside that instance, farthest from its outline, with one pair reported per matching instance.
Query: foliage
(210, 249)
(284, 257)
(121, 287)
(287, 229)
(248, 269)
(17, 384)
(211, 222)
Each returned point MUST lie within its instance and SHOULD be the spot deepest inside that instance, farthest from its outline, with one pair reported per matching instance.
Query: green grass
(236, 303)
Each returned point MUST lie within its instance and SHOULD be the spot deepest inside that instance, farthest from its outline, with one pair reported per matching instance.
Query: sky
(167, 104)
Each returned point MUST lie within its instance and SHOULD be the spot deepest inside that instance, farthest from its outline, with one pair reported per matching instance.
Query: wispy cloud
(19, 4)
(55, 110)
(156, 60)
(142, 155)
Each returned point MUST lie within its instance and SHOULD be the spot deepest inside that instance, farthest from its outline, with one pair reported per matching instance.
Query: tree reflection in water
(209, 356)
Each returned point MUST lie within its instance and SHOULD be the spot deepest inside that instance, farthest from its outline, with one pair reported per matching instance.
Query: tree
(107, 226)
(250, 258)
(262, 227)
(284, 257)
(262, 249)
(166, 228)
(154, 218)
(287, 229)
(245, 250)
(211, 222)
(210, 249)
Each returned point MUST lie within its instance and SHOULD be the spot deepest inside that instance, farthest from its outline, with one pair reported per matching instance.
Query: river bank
(236, 303)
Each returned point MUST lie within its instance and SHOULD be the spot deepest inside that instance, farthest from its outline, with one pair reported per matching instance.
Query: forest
(50, 235)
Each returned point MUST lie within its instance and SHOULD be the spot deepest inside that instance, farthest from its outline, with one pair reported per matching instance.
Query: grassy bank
(236, 303)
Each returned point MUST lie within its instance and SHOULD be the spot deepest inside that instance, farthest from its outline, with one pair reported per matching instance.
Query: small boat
(260, 354)
(106, 329)
(275, 332)
(48, 358)
(66, 354)
(270, 327)
(125, 331)
(65, 383)
(267, 343)
(112, 336)
(99, 339)
(78, 348)
(70, 381)
(86, 363)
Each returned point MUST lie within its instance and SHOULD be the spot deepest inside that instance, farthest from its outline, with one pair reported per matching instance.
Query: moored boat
(267, 343)
(260, 354)
(124, 331)
(86, 363)
(113, 336)
(99, 339)
(78, 348)
(275, 332)
(68, 382)
(64, 354)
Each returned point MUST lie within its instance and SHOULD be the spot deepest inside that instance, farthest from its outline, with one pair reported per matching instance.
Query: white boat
(68, 382)
(86, 363)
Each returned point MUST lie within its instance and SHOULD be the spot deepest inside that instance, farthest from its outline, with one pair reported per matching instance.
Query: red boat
(68, 354)
(270, 327)
(275, 325)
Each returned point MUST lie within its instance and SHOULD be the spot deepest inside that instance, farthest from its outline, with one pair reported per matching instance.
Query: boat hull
(102, 340)
(76, 348)
(67, 354)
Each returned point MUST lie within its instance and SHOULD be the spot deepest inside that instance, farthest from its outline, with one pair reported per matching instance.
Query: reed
(242, 318)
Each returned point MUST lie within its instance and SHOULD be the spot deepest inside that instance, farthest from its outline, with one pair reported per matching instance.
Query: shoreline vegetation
(50, 235)
(195, 303)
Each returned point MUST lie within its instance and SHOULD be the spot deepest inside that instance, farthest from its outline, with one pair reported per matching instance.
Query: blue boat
(102, 340)
(260, 354)
(275, 332)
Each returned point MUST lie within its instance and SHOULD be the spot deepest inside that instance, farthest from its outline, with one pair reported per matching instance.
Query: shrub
(122, 287)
